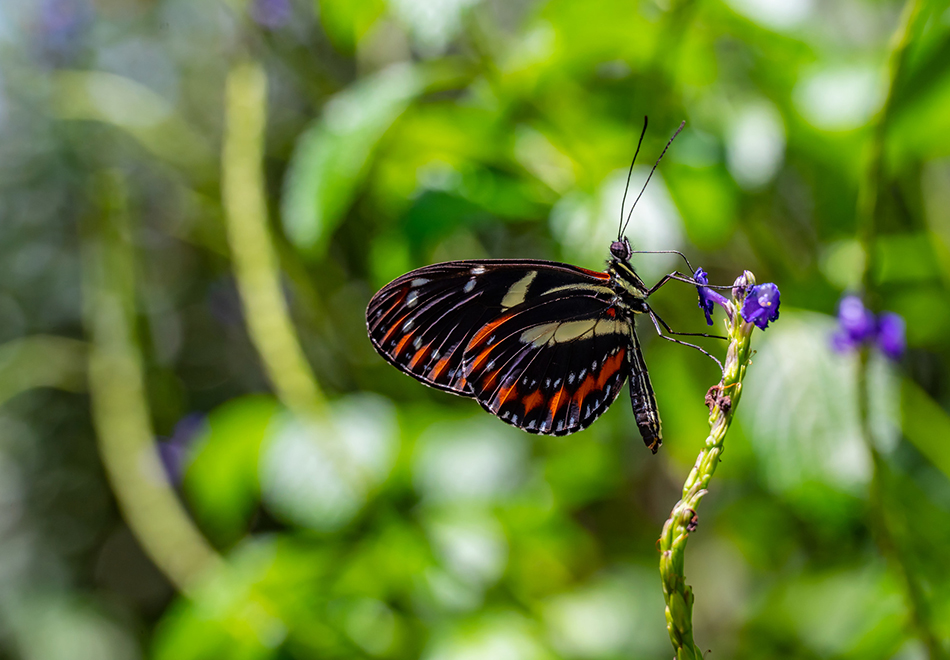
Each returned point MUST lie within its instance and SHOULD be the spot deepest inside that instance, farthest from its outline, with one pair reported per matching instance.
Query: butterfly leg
(656, 323)
(688, 265)
(682, 334)
(680, 277)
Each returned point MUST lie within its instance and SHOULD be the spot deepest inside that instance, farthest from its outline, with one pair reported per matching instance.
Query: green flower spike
(751, 306)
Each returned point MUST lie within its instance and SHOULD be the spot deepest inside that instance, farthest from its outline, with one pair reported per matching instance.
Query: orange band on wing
(597, 381)
(420, 355)
(401, 345)
(482, 357)
(489, 382)
(532, 401)
(560, 398)
(507, 393)
(440, 367)
(611, 366)
(394, 327)
(486, 331)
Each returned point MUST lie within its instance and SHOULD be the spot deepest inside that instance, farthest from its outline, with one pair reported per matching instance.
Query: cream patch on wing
(518, 291)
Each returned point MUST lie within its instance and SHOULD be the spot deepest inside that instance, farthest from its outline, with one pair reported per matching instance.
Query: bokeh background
(201, 455)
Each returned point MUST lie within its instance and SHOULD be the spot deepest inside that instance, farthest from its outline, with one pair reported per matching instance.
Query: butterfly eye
(620, 250)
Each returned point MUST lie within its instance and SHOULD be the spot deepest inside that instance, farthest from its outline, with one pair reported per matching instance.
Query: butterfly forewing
(536, 343)
(419, 323)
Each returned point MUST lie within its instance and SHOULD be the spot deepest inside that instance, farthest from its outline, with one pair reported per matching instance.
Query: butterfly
(542, 345)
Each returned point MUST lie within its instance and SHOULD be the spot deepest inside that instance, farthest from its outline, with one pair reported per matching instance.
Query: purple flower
(761, 305)
(271, 13)
(61, 26)
(855, 322)
(707, 297)
(857, 327)
(890, 335)
(175, 451)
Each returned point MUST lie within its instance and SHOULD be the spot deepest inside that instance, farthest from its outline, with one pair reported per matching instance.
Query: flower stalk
(743, 316)
(120, 412)
(914, 18)
(254, 258)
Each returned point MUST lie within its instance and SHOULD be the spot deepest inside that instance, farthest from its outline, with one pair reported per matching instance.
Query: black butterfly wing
(536, 343)
(422, 322)
(551, 365)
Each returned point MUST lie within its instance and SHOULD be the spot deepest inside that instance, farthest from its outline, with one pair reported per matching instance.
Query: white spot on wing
(469, 286)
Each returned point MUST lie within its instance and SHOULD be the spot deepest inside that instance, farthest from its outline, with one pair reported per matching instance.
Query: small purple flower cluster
(759, 306)
(175, 452)
(858, 326)
(61, 28)
(271, 14)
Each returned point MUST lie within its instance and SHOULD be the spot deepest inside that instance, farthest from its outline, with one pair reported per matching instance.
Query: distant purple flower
(855, 322)
(890, 335)
(761, 305)
(707, 297)
(858, 327)
(271, 13)
(61, 26)
(175, 451)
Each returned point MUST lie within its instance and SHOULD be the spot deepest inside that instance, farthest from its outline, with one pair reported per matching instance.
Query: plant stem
(682, 520)
(120, 410)
(882, 527)
(868, 210)
(868, 204)
(42, 361)
(253, 256)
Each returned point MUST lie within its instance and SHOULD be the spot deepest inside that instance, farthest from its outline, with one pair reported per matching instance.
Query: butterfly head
(621, 250)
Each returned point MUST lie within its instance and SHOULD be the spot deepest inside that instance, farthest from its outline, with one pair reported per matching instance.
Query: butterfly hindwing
(551, 365)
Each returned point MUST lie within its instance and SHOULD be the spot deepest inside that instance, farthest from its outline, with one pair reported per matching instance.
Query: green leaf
(318, 473)
(707, 199)
(332, 155)
(136, 110)
(926, 425)
(850, 611)
(221, 482)
(799, 411)
(346, 21)
(272, 592)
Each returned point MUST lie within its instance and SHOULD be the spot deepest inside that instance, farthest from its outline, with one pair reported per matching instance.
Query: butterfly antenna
(623, 204)
(651, 175)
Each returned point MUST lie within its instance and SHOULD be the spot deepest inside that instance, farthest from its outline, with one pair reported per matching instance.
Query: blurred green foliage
(403, 522)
